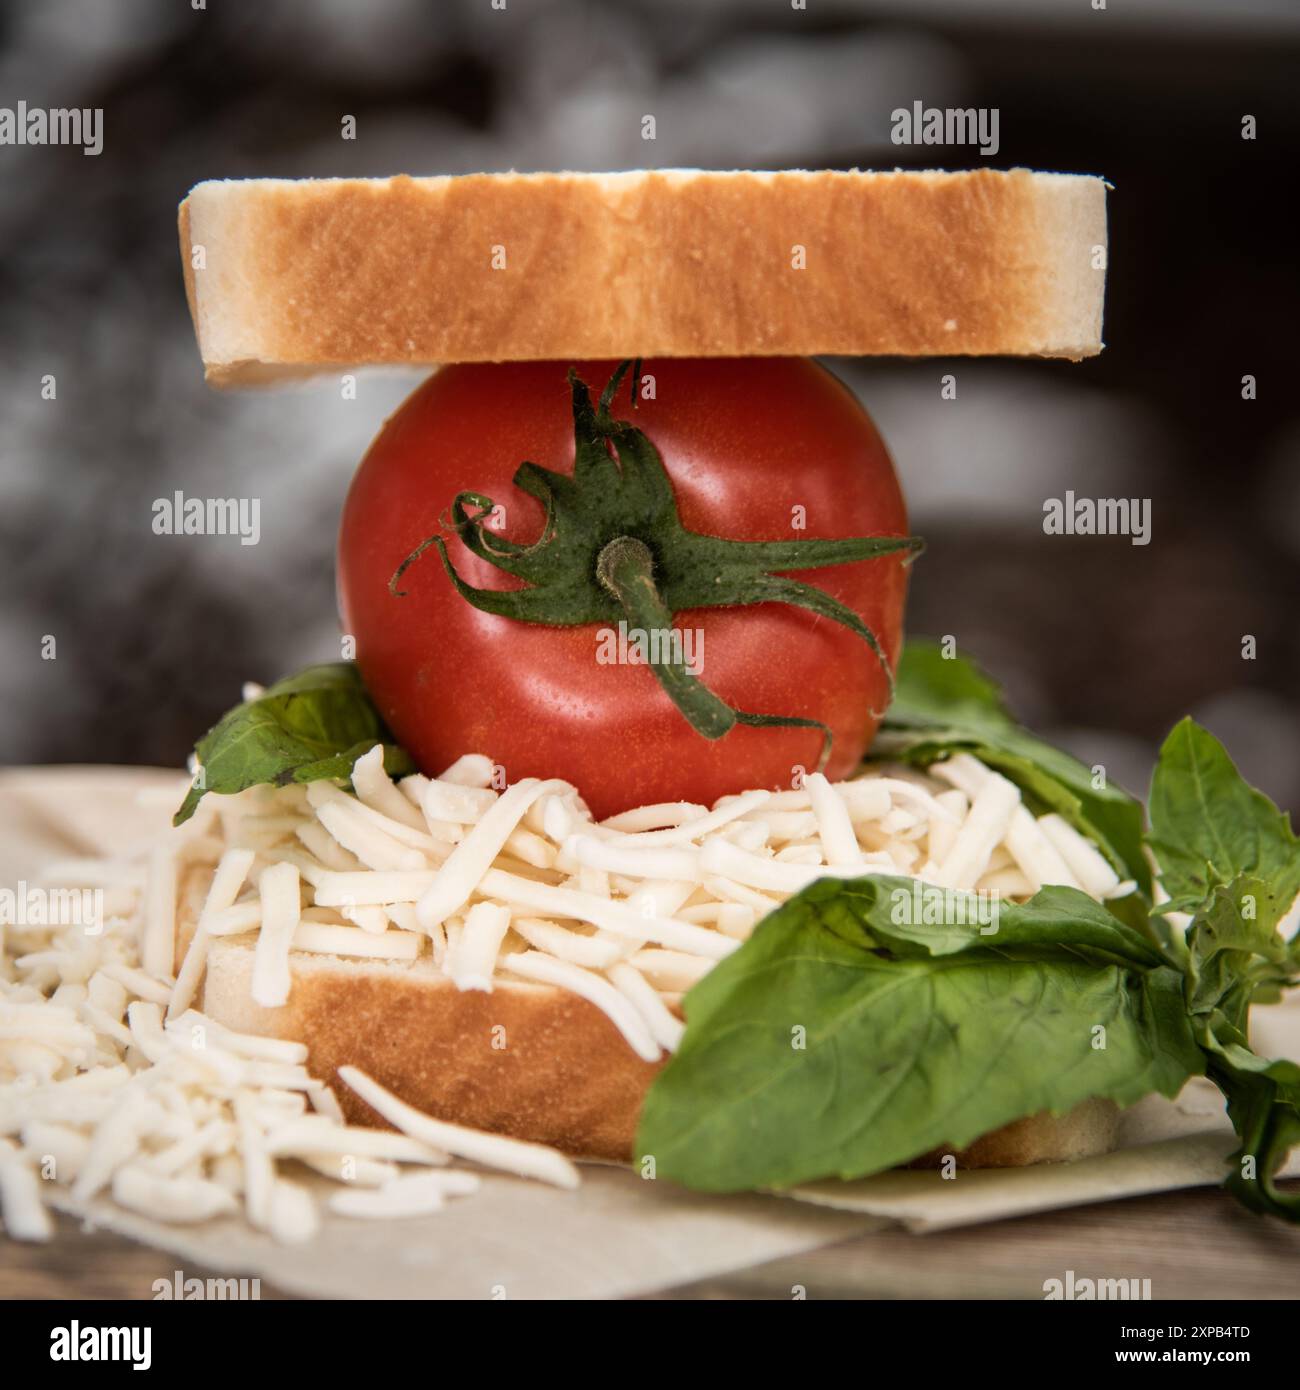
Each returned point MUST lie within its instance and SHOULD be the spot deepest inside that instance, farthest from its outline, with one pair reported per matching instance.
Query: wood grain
(79, 1263)
(1198, 1244)
(1191, 1245)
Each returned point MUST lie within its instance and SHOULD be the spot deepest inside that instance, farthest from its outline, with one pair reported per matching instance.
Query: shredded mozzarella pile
(112, 1084)
(522, 884)
(110, 1081)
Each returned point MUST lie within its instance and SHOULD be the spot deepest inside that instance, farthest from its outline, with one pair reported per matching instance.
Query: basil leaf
(944, 705)
(307, 727)
(912, 918)
(1264, 1107)
(1234, 950)
(1210, 826)
(1263, 1099)
(813, 1052)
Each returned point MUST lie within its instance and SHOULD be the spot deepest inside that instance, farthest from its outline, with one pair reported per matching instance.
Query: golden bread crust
(530, 1061)
(309, 276)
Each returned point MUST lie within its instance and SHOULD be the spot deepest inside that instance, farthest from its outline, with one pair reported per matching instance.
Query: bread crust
(1087, 1130)
(530, 1061)
(303, 277)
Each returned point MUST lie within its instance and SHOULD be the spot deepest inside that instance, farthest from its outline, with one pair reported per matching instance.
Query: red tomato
(752, 446)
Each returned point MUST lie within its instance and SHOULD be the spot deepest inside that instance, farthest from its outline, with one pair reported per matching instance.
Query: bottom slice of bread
(531, 1061)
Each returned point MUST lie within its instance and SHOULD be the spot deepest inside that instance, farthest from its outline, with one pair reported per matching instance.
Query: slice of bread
(535, 1062)
(532, 1061)
(294, 278)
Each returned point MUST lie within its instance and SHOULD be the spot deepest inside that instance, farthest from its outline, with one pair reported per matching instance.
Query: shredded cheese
(280, 915)
(1094, 874)
(158, 932)
(491, 1150)
(456, 881)
(110, 1074)
(533, 965)
(418, 1195)
(375, 790)
(24, 1214)
(474, 960)
(981, 833)
(231, 871)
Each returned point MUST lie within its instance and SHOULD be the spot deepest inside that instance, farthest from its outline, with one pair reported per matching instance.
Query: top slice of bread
(290, 278)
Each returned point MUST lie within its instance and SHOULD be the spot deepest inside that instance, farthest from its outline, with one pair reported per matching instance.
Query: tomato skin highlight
(746, 442)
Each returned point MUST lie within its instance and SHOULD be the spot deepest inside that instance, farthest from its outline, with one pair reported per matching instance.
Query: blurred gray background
(1101, 644)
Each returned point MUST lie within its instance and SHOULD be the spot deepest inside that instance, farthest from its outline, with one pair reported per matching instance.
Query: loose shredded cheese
(374, 847)
(326, 939)
(459, 876)
(839, 841)
(982, 832)
(595, 952)
(474, 960)
(231, 871)
(280, 914)
(472, 770)
(21, 1208)
(491, 1150)
(533, 965)
(1094, 874)
(158, 930)
(417, 1195)
(375, 790)
(665, 1027)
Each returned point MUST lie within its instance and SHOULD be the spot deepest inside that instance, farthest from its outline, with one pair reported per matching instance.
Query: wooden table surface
(1191, 1245)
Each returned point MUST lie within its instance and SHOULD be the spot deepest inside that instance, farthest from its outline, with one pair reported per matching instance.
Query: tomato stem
(625, 567)
(623, 562)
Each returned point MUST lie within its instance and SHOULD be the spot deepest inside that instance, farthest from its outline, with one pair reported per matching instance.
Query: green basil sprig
(1226, 853)
(868, 1022)
(1210, 826)
(310, 726)
(837, 1043)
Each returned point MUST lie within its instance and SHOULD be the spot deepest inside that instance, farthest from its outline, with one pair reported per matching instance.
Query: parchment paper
(617, 1235)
